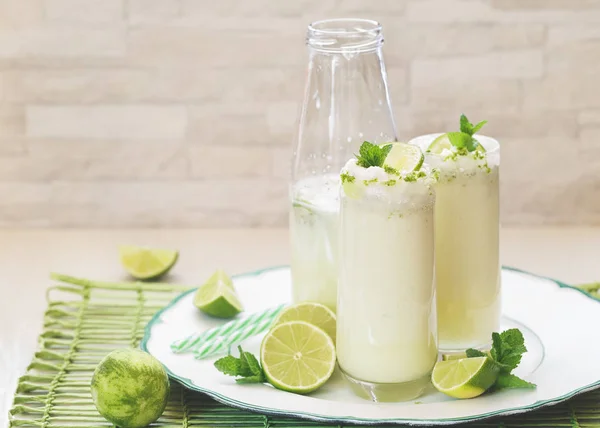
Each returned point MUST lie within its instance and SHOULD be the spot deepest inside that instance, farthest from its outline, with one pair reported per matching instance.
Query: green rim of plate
(330, 419)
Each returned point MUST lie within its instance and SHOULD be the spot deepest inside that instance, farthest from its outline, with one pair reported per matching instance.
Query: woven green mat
(83, 323)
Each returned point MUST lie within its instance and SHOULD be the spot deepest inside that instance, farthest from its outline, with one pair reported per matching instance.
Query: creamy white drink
(386, 319)
(466, 242)
(314, 229)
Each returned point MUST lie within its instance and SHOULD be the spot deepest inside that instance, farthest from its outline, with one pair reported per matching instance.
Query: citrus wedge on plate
(217, 297)
(310, 312)
(466, 377)
(297, 357)
(147, 263)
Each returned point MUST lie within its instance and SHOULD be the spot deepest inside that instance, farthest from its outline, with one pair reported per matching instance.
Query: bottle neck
(344, 36)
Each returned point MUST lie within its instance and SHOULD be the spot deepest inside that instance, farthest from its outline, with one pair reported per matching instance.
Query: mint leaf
(508, 349)
(372, 154)
(228, 365)
(251, 379)
(513, 348)
(514, 338)
(465, 125)
(468, 129)
(510, 381)
(460, 140)
(246, 368)
(250, 364)
(472, 144)
(478, 127)
(473, 353)
(496, 351)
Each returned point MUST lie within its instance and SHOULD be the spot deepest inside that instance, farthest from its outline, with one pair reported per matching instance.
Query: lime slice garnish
(297, 357)
(147, 263)
(404, 157)
(310, 312)
(439, 144)
(217, 297)
(353, 189)
(464, 378)
(442, 142)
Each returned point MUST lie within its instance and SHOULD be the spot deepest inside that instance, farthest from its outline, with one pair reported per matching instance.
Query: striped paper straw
(223, 343)
(191, 343)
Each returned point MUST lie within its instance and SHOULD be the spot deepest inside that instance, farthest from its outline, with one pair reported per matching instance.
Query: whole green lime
(130, 388)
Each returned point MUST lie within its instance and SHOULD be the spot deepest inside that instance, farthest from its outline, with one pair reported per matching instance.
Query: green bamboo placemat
(84, 322)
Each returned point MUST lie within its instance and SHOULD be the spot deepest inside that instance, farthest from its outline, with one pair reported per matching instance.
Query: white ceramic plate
(561, 326)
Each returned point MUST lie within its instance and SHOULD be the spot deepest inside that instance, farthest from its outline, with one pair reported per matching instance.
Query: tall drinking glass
(386, 317)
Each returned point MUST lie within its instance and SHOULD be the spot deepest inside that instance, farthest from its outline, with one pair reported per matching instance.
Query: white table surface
(27, 256)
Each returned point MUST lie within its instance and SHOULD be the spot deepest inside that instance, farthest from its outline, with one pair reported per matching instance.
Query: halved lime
(442, 142)
(217, 297)
(147, 263)
(310, 312)
(464, 378)
(404, 157)
(297, 357)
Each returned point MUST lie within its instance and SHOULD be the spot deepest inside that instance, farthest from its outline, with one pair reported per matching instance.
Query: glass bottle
(346, 101)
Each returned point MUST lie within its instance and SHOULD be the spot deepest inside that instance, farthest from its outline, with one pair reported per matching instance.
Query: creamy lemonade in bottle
(346, 101)
(466, 235)
(314, 232)
(386, 318)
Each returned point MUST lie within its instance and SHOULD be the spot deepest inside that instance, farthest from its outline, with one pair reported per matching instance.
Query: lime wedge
(217, 297)
(297, 357)
(404, 157)
(310, 312)
(464, 378)
(147, 263)
(442, 142)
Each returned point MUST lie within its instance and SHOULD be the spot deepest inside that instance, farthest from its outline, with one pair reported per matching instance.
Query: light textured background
(181, 112)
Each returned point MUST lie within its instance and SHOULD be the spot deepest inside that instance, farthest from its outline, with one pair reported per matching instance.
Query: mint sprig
(372, 154)
(507, 350)
(246, 368)
(468, 128)
(465, 138)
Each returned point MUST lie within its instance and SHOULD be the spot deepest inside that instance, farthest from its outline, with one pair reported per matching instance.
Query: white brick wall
(181, 112)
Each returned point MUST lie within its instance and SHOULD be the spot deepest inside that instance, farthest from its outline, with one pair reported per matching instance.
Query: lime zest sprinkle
(347, 178)
(390, 170)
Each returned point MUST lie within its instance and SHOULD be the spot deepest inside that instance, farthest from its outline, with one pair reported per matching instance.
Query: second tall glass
(467, 258)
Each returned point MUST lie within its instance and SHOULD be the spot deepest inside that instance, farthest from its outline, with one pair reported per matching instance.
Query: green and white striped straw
(193, 342)
(223, 343)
